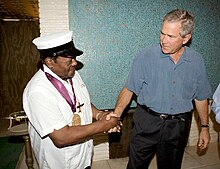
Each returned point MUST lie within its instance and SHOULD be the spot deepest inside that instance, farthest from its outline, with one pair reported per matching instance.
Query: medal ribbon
(63, 91)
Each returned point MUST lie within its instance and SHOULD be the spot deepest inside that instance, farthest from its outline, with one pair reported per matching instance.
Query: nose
(163, 38)
(74, 62)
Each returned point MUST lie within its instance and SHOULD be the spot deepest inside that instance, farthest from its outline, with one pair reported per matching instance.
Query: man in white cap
(58, 107)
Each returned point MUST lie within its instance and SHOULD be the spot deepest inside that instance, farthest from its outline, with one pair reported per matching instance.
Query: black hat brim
(67, 49)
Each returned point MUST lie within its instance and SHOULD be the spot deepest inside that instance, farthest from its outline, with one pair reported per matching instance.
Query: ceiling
(19, 9)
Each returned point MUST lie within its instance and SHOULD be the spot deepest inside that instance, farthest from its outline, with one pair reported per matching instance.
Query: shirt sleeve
(45, 112)
(136, 76)
(203, 85)
(216, 104)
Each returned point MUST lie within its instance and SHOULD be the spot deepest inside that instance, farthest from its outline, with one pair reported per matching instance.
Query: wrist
(98, 115)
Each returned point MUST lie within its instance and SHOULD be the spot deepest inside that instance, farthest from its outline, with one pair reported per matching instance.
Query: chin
(72, 74)
(165, 52)
(164, 49)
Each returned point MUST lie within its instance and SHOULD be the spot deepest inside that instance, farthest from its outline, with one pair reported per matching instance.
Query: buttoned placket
(174, 84)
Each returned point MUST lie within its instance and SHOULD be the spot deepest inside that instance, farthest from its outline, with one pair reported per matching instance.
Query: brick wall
(53, 16)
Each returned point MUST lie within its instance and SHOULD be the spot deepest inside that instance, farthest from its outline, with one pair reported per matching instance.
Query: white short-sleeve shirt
(48, 110)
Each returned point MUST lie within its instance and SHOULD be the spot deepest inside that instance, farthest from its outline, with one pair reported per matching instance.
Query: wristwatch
(205, 125)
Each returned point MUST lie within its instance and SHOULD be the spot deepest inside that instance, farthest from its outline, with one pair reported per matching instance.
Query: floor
(192, 160)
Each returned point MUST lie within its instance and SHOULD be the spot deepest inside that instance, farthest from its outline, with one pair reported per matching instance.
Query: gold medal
(76, 120)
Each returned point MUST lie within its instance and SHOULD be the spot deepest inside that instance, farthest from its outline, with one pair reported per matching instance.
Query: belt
(163, 116)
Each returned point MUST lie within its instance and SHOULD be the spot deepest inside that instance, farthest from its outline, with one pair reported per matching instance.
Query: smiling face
(170, 39)
(64, 67)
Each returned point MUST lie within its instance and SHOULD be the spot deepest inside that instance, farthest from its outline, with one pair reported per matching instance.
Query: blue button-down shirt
(167, 87)
(216, 104)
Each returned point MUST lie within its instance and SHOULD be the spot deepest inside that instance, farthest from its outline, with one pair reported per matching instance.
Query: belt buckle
(182, 119)
(163, 116)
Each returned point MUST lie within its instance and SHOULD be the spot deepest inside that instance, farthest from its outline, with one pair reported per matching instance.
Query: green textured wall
(111, 32)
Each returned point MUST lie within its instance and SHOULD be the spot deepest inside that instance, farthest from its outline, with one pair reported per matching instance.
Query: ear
(49, 62)
(186, 38)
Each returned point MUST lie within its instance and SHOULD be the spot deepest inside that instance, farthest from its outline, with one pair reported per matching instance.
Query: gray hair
(187, 20)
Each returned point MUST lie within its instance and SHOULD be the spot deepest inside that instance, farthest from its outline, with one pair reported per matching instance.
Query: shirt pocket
(72, 156)
(65, 111)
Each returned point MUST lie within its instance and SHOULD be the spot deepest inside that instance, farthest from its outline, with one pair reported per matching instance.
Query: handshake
(111, 121)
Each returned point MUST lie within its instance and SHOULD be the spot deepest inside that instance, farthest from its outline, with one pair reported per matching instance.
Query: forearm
(202, 109)
(78, 134)
(204, 136)
(70, 135)
(124, 99)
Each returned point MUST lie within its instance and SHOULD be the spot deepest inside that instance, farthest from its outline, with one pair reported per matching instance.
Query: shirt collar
(46, 69)
(184, 56)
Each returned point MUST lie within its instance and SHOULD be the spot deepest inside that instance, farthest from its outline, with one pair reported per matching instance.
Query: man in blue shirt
(166, 78)
(216, 104)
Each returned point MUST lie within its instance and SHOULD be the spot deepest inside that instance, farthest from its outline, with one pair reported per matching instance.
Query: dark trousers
(167, 138)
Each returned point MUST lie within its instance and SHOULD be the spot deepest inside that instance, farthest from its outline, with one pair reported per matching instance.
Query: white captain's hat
(57, 44)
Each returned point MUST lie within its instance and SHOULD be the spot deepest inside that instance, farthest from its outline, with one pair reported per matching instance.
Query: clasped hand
(108, 116)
